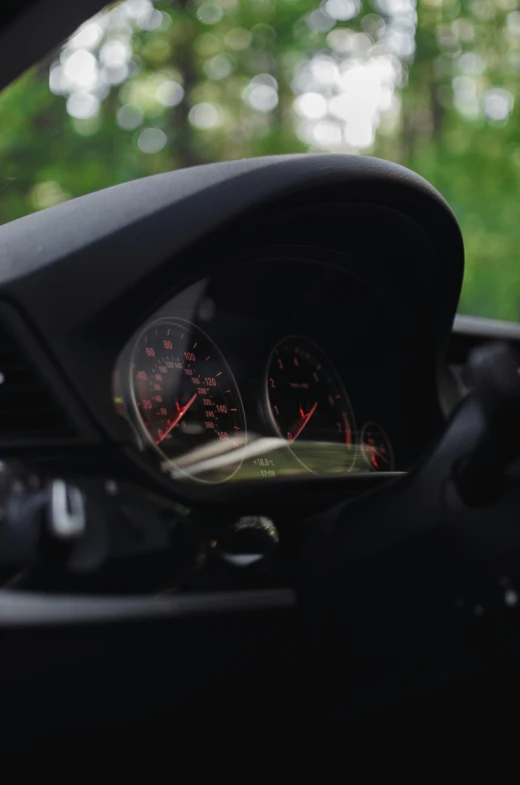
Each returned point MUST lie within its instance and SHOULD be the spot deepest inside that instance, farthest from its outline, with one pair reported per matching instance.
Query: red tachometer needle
(181, 411)
(302, 422)
(375, 457)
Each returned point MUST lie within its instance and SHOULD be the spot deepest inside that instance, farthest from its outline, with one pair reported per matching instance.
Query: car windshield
(146, 87)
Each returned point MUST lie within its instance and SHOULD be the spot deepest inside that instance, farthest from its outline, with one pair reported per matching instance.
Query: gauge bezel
(339, 382)
(370, 425)
(136, 416)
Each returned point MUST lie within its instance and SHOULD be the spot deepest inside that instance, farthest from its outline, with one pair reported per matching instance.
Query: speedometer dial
(186, 398)
(309, 404)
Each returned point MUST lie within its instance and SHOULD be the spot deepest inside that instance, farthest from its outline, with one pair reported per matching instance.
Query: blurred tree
(147, 87)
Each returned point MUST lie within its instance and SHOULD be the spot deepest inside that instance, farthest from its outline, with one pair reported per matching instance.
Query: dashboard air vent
(28, 409)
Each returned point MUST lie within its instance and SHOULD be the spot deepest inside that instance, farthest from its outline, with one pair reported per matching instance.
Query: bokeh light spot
(152, 140)
(471, 63)
(169, 93)
(312, 106)
(210, 13)
(262, 97)
(47, 194)
(320, 21)
(115, 53)
(137, 10)
(342, 10)
(498, 104)
(115, 74)
(204, 116)
(83, 105)
(129, 117)
(218, 67)
(88, 36)
(80, 69)
(237, 38)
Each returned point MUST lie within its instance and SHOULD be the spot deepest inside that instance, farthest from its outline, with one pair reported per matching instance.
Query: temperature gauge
(377, 448)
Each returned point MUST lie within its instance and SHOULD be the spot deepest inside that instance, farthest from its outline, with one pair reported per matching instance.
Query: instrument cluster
(238, 377)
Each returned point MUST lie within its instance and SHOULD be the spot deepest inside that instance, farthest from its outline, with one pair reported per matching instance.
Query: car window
(146, 87)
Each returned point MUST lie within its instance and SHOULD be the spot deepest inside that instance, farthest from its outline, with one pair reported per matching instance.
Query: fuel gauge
(377, 448)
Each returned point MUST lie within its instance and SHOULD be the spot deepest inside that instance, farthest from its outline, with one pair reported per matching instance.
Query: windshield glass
(146, 87)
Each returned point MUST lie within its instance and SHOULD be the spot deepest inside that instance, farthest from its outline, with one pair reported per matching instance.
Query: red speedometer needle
(303, 422)
(180, 414)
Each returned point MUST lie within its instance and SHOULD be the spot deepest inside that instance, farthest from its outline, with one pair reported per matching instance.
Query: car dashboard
(211, 385)
(231, 328)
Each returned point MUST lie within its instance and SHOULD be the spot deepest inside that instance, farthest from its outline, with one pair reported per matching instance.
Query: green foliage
(206, 81)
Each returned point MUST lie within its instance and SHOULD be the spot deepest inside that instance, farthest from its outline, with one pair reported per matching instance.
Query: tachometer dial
(185, 394)
(309, 404)
(377, 448)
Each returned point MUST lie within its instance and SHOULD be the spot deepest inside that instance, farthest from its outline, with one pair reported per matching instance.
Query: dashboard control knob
(38, 518)
(66, 517)
(252, 546)
(244, 555)
(259, 523)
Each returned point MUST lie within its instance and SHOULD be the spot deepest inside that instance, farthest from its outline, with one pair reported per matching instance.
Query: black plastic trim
(486, 329)
(25, 609)
(37, 27)
(82, 430)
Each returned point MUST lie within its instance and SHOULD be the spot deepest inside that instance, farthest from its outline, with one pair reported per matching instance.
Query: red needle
(305, 419)
(181, 411)
(375, 455)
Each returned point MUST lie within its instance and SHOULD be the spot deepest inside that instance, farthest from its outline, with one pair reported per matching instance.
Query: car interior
(259, 478)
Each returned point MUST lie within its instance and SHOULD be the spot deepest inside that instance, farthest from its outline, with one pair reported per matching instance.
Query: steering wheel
(419, 580)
